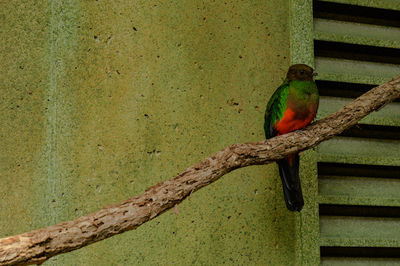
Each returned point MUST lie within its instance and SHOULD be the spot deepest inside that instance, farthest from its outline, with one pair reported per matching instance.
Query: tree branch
(39, 245)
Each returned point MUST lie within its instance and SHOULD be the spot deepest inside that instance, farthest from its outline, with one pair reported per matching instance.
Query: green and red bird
(292, 107)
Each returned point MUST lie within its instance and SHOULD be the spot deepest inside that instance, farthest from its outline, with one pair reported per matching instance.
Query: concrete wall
(102, 99)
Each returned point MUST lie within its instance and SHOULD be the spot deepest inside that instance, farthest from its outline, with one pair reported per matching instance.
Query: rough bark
(39, 245)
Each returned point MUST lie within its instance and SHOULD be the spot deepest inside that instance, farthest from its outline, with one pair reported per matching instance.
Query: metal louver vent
(356, 48)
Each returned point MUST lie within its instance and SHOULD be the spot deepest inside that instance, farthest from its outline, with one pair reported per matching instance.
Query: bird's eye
(302, 72)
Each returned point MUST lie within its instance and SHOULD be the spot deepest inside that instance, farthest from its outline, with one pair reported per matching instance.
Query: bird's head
(300, 72)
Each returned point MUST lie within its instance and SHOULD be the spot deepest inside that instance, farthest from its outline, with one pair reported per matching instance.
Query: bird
(292, 107)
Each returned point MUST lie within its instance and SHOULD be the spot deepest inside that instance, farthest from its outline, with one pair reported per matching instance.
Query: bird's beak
(315, 74)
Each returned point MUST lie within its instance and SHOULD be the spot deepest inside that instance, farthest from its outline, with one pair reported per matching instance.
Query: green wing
(275, 109)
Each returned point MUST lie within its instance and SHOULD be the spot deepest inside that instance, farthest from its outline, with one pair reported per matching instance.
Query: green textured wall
(102, 99)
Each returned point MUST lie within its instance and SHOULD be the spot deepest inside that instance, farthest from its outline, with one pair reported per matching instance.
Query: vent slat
(386, 4)
(333, 69)
(359, 211)
(342, 231)
(360, 151)
(369, 253)
(387, 116)
(342, 89)
(359, 190)
(372, 131)
(356, 13)
(349, 261)
(356, 52)
(356, 33)
(361, 170)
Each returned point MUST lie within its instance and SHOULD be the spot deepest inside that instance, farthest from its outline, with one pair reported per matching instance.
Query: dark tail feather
(289, 172)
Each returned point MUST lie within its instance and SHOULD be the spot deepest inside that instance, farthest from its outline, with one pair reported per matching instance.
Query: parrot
(292, 107)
